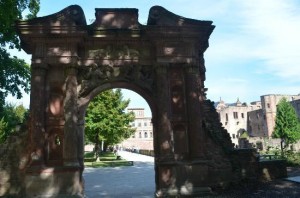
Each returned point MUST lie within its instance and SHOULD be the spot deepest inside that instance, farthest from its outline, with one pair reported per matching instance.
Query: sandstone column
(70, 145)
(194, 99)
(80, 144)
(163, 121)
(37, 112)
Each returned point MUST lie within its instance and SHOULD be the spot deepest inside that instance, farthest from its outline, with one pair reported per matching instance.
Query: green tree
(14, 72)
(10, 117)
(106, 119)
(287, 126)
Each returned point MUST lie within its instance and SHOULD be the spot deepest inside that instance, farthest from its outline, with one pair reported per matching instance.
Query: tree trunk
(97, 148)
(282, 147)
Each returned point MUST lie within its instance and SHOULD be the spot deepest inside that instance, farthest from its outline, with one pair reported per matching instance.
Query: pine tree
(287, 125)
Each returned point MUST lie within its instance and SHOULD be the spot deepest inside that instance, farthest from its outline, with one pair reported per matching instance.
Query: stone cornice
(70, 24)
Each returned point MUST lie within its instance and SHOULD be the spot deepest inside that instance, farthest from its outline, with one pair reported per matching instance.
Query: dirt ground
(274, 189)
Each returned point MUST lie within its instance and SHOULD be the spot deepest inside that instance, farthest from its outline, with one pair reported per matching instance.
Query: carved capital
(161, 68)
(71, 69)
(191, 69)
(39, 69)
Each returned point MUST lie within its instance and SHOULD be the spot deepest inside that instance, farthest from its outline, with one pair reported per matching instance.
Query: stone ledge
(272, 169)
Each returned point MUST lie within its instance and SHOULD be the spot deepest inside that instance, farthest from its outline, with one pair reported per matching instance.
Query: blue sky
(254, 49)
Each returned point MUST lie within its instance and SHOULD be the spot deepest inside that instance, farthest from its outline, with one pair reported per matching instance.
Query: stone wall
(263, 143)
(143, 144)
(244, 165)
(272, 169)
(13, 160)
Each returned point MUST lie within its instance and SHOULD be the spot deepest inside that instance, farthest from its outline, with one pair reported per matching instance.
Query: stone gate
(162, 61)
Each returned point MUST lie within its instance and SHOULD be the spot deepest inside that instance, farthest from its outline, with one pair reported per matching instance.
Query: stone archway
(163, 61)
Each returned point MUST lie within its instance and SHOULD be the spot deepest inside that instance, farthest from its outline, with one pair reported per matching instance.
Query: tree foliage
(14, 72)
(10, 117)
(10, 11)
(287, 126)
(106, 119)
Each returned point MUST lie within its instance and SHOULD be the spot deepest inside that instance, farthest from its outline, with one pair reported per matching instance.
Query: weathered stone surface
(14, 158)
(162, 61)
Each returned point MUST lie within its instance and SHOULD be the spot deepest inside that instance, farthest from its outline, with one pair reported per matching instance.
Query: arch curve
(162, 61)
(84, 101)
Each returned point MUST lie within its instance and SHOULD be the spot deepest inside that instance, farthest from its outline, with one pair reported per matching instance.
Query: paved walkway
(138, 182)
(122, 182)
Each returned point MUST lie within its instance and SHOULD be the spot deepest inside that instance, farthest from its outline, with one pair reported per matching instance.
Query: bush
(293, 159)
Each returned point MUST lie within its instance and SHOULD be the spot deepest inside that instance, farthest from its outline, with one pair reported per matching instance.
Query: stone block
(53, 182)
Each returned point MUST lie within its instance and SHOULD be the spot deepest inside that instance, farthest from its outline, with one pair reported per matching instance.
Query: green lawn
(107, 159)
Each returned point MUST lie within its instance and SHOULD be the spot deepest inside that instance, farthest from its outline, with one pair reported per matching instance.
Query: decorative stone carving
(112, 18)
(160, 16)
(94, 75)
(114, 52)
(162, 61)
(72, 15)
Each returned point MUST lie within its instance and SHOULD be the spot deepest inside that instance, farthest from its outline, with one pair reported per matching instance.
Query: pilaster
(164, 146)
(37, 113)
(194, 110)
(70, 149)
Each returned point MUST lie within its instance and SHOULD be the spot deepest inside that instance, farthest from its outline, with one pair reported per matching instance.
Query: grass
(108, 163)
(107, 159)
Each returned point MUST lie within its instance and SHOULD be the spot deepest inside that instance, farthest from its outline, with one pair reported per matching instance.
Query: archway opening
(124, 166)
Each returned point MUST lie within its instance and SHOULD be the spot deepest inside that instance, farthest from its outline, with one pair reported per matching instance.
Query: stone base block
(192, 179)
(183, 192)
(53, 182)
(272, 169)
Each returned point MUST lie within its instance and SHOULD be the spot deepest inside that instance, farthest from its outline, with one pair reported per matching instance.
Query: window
(235, 115)
(268, 105)
(151, 135)
(242, 114)
(140, 124)
(133, 124)
(133, 136)
(140, 134)
(233, 136)
(226, 117)
(145, 123)
(145, 135)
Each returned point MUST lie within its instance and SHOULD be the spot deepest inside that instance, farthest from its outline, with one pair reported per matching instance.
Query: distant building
(234, 117)
(296, 105)
(258, 118)
(143, 136)
(269, 104)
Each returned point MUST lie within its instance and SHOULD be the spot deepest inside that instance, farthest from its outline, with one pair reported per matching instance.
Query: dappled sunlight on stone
(187, 188)
(165, 145)
(72, 62)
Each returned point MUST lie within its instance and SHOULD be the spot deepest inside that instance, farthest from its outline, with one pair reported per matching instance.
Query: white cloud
(253, 40)
(229, 89)
(276, 25)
